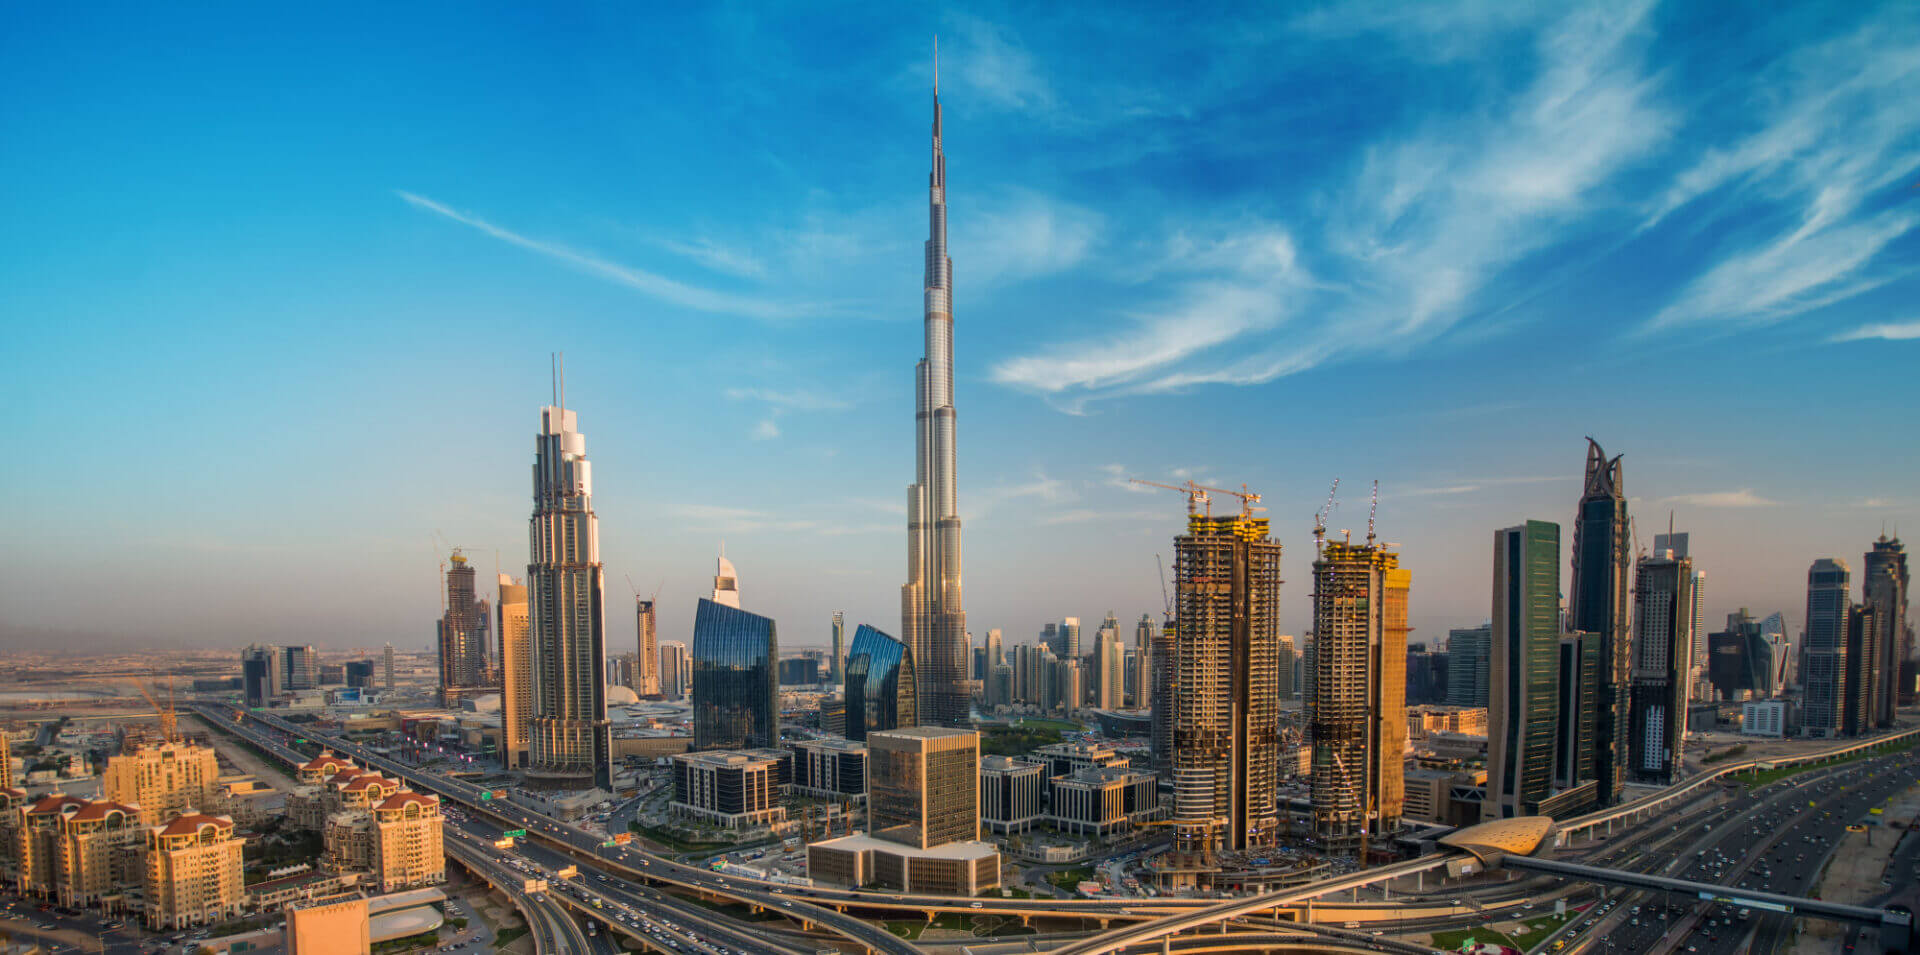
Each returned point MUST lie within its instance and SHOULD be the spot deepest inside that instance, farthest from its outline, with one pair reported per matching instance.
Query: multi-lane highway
(1775, 839)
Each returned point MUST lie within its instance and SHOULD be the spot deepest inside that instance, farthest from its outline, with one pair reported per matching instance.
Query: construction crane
(1196, 494)
(169, 719)
(1247, 498)
(1373, 507)
(1166, 599)
(1320, 519)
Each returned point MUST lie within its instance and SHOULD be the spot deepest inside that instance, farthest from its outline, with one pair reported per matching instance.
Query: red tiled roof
(191, 823)
(401, 799)
(57, 802)
(368, 781)
(324, 760)
(100, 809)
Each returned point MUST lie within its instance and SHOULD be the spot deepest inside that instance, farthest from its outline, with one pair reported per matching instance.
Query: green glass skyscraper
(1523, 692)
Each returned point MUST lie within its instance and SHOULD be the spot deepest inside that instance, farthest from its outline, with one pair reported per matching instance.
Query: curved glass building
(735, 656)
(880, 685)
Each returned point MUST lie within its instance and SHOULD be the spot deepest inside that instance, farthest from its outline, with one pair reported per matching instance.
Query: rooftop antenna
(553, 376)
(936, 65)
(563, 382)
(1372, 508)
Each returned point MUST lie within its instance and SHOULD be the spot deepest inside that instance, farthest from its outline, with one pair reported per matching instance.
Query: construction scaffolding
(1358, 725)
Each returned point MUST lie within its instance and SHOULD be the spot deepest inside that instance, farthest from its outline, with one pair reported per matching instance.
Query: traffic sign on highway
(607, 844)
(485, 796)
(516, 833)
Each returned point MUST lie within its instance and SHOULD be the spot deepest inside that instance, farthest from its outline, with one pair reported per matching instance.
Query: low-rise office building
(1101, 802)
(1013, 794)
(859, 860)
(830, 768)
(1064, 758)
(734, 790)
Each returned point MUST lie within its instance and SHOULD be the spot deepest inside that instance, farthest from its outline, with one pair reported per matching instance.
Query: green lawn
(1043, 723)
(1451, 940)
(908, 930)
(1769, 776)
(1069, 878)
(506, 935)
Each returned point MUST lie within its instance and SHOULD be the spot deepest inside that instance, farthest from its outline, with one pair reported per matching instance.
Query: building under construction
(1223, 656)
(463, 636)
(1359, 719)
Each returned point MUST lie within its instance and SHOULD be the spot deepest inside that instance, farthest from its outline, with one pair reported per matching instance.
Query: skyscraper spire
(932, 621)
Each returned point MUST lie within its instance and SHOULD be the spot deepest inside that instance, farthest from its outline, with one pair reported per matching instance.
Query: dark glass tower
(1597, 604)
(1884, 584)
(1524, 668)
(881, 694)
(735, 686)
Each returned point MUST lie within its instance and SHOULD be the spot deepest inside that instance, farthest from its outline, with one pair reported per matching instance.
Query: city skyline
(464, 265)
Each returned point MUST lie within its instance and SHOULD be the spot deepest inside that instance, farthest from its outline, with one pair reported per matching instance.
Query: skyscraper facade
(1663, 639)
(676, 671)
(923, 786)
(838, 674)
(1470, 654)
(1824, 673)
(1143, 664)
(1523, 647)
(1857, 699)
(932, 619)
(387, 663)
(881, 689)
(735, 681)
(1108, 678)
(570, 740)
(726, 582)
(646, 630)
(516, 671)
(1359, 723)
(1225, 719)
(1597, 604)
(1884, 584)
(463, 635)
(1162, 655)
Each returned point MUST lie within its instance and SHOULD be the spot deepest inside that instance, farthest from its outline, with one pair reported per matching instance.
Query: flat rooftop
(861, 842)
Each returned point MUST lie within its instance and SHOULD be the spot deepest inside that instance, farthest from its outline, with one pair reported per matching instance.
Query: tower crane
(1373, 507)
(169, 720)
(1196, 494)
(1320, 519)
(1247, 498)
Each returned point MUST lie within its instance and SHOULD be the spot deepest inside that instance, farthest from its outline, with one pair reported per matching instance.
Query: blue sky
(280, 287)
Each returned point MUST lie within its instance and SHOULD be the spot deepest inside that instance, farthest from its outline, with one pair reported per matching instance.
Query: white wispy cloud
(737, 520)
(995, 66)
(648, 283)
(716, 257)
(1013, 234)
(1836, 128)
(765, 430)
(876, 504)
(1471, 485)
(1083, 515)
(1886, 331)
(795, 399)
(1429, 218)
(1742, 498)
(983, 502)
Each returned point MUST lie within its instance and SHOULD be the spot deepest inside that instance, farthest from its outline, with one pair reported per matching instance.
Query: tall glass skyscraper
(570, 741)
(932, 620)
(1523, 668)
(1825, 676)
(735, 680)
(881, 690)
(1602, 560)
(1884, 583)
(1662, 667)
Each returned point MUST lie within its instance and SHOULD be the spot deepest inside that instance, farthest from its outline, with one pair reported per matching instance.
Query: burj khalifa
(931, 619)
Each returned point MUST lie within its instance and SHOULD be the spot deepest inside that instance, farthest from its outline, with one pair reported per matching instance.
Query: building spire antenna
(936, 66)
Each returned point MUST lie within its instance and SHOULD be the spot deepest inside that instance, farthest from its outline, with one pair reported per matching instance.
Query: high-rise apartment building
(1884, 584)
(838, 674)
(463, 635)
(1161, 725)
(1522, 644)
(646, 632)
(1143, 663)
(1470, 656)
(300, 668)
(1824, 671)
(1225, 721)
(1578, 715)
(516, 672)
(193, 873)
(676, 670)
(880, 685)
(1597, 604)
(1109, 674)
(932, 619)
(163, 779)
(735, 679)
(1359, 724)
(569, 741)
(387, 665)
(1663, 622)
(408, 838)
(1859, 683)
(1067, 639)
